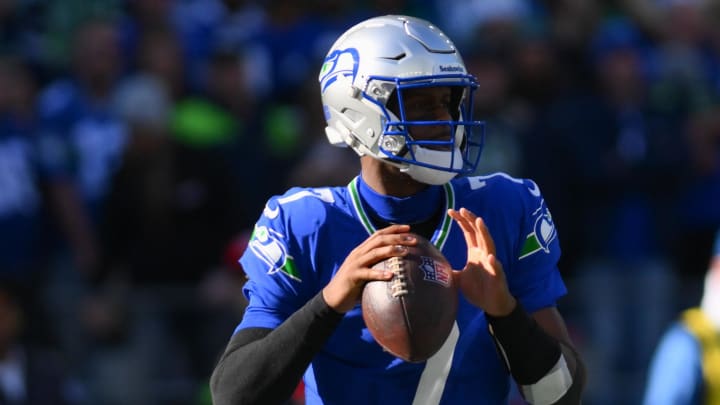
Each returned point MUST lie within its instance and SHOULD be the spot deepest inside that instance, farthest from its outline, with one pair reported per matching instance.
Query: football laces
(398, 285)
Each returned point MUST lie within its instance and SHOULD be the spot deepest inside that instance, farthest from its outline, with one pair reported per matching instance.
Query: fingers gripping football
(345, 288)
(482, 281)
(411, 315)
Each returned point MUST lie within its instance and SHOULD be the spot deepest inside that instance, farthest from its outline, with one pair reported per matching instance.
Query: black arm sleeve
(264, 366)
(528, 351)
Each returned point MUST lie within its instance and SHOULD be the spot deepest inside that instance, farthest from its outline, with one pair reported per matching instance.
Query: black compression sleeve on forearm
(529, 352)
(263, 366)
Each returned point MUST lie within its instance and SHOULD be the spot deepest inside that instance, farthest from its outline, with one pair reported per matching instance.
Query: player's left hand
(482, 281)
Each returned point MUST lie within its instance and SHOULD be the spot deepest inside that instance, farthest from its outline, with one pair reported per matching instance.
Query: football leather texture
(412, 314)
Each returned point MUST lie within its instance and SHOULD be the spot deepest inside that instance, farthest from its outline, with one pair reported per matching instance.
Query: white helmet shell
(378, 58)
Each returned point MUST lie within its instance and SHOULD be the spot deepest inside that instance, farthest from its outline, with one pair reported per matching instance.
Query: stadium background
(139, 140)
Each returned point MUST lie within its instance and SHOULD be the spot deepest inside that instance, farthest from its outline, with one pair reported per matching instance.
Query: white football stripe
(432, 381)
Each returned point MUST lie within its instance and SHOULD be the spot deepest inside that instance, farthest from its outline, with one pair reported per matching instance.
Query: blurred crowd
(139, 140)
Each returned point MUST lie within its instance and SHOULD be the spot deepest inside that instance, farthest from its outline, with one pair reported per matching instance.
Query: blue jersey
(82, 139)
(21, 214)
(302, 239)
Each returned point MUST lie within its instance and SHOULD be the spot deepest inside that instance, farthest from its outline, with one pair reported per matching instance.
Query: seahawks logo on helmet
(267, 245)
(542, 235)
(341, 62)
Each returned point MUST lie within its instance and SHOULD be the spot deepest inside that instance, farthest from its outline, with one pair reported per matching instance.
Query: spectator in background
(24, 192)
(284, 49)
(684, 369)
(463, 20)
(142, 17)
(60, 21)
(174, 205)
(696, 209)
(195, 22)
(137, 221)
(174, 202)
(612, 147)
(29, 374)
(160, 54)
(242, 20)
(172, 40)
(20, 33)
(83, 139)
(82, 142)
(322, 164)
(218, 155)
(122, 338)
(686, 78)
(21, 198)
(499, 110)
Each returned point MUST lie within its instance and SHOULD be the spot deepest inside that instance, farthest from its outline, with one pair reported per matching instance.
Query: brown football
(412, 314)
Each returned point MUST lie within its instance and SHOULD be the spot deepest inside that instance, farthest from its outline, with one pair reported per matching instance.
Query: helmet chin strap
(437, 158)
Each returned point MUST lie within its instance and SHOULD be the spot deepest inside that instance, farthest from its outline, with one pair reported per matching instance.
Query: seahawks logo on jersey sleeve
(543, 232)
(267, 244)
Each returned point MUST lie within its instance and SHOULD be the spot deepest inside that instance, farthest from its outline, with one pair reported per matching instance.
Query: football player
(396, 90)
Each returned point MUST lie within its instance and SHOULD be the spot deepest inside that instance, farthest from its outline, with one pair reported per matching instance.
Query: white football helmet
(372, 63)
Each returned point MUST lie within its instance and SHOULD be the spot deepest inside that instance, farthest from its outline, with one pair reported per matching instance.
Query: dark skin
(482, 280)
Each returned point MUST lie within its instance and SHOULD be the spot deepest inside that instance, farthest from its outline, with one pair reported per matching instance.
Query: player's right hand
(345, 288)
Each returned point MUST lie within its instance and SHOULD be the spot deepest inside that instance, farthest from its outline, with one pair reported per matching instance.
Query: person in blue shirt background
(82, 139)
(21, 203)
(684, 369)
(395, 89)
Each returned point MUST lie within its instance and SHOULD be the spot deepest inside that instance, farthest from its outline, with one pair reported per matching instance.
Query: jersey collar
(441, 233)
